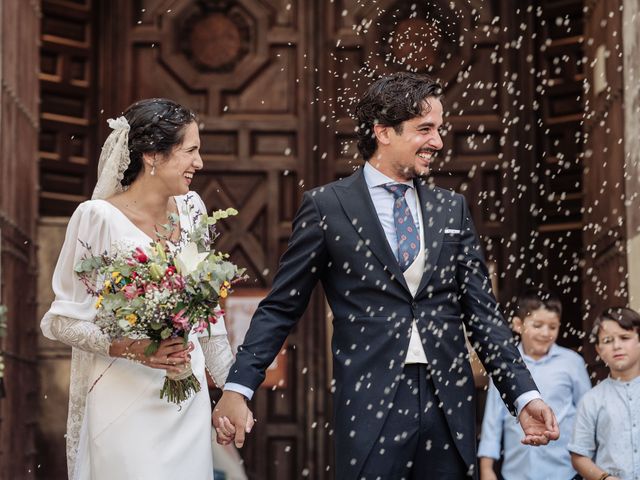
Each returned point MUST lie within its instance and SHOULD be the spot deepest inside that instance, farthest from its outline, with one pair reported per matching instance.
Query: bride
(118, 426)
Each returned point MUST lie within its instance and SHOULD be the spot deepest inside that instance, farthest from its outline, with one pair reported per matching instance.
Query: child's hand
(488, 475)
(486, 469)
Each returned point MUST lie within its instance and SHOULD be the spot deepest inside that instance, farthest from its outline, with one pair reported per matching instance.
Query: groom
(402, 270)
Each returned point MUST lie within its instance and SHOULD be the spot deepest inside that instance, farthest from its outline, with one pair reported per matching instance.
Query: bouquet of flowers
(162, 291)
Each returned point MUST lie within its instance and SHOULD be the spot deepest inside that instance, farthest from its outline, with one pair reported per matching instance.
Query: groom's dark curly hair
(156, 126)
(390, 101)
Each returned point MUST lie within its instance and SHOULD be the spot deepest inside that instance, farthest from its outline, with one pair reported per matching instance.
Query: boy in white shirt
(562, 378)
(606, 435)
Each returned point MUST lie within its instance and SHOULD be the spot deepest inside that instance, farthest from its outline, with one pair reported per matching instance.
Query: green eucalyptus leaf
(152, 348)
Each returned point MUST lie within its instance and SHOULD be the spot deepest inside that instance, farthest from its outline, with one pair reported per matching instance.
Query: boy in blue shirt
(606, 436)
(562, 379)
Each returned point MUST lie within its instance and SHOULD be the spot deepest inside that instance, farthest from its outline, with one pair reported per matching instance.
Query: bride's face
(179, 166)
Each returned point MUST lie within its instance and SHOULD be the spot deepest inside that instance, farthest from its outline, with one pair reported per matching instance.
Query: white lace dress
(121, 429)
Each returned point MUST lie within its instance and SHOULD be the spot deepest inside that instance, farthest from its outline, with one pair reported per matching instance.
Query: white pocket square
(451, 231)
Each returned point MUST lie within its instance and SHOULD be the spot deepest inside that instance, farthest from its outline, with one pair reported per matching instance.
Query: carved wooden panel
(605, 232)
(457, 44)
(513, 84)
(19, 97)
(556, 258)
(240, 65)
(68, 111)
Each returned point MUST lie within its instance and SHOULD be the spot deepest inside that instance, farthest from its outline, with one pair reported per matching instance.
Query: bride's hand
(171, 355)
(225, 430)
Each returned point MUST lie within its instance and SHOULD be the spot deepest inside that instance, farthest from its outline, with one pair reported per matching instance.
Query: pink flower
(140, 255)
(180, 321)
(175, 282)
(202, 326)
(179, 282)
(131, 291)
(217, 315)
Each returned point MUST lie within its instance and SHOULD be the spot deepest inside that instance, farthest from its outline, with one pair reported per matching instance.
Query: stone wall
(54, 360)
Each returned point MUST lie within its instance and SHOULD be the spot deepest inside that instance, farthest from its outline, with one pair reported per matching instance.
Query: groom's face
(410, 151)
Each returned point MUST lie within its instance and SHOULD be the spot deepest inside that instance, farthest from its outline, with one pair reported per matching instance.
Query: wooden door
(463, 47)
(274, 84)
(242, 66)
(513, 107)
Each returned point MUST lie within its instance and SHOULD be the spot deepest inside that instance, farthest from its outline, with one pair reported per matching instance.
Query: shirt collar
(635, 382)
(375, 178)
(554, 351)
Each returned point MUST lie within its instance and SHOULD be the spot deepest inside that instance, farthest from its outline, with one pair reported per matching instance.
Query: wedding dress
(118, 426)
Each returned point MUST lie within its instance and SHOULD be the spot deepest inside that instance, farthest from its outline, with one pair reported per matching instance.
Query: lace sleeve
(86, 336)
(218, 357)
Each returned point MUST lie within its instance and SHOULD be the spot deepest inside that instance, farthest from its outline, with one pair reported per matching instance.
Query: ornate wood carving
(421, 36)
(491, 149)
(474, 159)
(250, 93)
(216, 40)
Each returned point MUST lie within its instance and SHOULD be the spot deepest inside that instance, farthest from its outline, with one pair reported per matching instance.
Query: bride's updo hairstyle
(156, 126)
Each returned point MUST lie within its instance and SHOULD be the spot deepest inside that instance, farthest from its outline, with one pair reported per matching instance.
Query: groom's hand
(232, 418)
(538, 423)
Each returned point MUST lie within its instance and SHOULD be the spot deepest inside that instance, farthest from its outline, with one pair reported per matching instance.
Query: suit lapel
(357, 205)
(434, 219)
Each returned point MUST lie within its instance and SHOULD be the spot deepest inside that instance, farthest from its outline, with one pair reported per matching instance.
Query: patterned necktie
(406, 231)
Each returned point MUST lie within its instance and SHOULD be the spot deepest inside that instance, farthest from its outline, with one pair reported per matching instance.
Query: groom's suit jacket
(338, 240)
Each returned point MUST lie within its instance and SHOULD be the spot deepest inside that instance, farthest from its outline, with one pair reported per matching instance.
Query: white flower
(119, 123)
(188, 259)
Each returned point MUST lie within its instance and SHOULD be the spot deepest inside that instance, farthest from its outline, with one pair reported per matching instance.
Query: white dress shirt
(384, 201)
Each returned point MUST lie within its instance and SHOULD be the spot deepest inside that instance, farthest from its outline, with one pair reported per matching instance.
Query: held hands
(171, 356)
(232, 419)
(538, 423)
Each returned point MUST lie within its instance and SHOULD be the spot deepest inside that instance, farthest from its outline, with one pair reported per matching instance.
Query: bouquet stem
(178, 386)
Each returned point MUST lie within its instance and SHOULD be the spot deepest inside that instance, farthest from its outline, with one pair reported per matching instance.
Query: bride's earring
(153, 169)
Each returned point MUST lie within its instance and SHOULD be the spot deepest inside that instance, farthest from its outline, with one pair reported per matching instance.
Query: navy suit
(338, 240)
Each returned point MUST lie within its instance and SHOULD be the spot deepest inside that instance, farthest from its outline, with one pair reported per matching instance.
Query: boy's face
(538, 331)
(619, 349)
